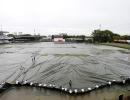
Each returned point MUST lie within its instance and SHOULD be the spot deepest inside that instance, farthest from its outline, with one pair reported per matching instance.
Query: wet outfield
(33, 93)
(86, 65)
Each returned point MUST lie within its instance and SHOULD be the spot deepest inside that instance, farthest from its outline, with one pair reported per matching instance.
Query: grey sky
(68, 16)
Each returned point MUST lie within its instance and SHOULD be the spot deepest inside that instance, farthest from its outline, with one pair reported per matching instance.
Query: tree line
(107, 36)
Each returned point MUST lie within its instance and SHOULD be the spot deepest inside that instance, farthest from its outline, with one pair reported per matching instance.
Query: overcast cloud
(66, 16)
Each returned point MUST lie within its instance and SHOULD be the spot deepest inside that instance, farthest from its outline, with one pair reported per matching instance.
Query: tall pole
(100, 26)
(1, 27)
(34, 31)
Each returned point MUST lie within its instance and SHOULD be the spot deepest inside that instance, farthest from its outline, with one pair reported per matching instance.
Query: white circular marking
(123, 81)
(75, 90)
(109, 83)
(65, 89)
(114, 80)
(70, 91)
(89, 89)
(31, 83)
(82, 90)
(44, 85)
(17, 82)
(40, 84)
(97, 86)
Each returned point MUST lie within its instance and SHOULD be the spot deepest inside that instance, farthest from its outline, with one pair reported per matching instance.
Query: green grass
(120, 45)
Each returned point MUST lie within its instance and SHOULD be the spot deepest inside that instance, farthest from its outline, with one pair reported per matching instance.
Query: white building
(58, 39)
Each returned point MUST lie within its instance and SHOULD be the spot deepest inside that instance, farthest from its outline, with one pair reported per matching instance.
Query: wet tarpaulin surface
(86, 65)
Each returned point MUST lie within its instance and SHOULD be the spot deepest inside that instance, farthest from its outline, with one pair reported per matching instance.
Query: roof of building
(2, 32)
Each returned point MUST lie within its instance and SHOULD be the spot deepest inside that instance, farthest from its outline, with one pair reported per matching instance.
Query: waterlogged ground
(86, 65)
(33, 93)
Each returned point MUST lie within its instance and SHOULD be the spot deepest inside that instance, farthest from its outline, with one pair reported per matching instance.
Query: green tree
(116, 37)
(102, 36)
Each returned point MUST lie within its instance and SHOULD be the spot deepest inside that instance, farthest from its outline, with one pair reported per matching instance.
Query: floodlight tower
(100, 26)
(34, 32)
(1, 27)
